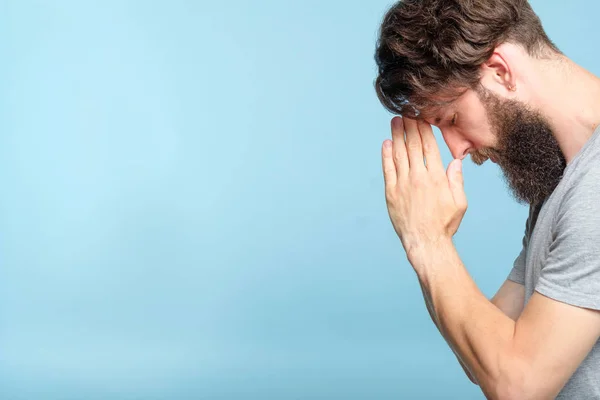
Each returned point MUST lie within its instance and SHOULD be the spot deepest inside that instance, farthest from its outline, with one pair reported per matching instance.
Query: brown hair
(430, 50)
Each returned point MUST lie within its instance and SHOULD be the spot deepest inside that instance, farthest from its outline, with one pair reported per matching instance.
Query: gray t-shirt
(561, 253)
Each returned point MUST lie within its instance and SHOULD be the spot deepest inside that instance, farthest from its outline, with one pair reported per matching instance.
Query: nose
(458, 145)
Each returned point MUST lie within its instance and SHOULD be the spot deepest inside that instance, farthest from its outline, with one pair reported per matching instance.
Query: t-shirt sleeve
(572, 272)
(517, 274)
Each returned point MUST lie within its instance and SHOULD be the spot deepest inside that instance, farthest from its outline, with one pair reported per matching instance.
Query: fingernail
(387, 144)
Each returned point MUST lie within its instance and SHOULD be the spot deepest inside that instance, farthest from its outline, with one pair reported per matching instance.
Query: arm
(510, 299)
(532, 357)
(429, 305)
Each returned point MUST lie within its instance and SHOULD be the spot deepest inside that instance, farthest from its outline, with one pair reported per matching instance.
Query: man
(485, 73)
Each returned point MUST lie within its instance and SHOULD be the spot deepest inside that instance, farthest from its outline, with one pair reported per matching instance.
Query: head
(468, 67)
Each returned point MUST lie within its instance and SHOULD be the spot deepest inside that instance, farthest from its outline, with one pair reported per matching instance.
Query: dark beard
(527, 150)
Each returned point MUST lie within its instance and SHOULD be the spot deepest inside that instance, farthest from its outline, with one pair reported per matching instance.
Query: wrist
(426, 256)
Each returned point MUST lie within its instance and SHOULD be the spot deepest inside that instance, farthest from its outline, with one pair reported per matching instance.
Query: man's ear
(496, 74)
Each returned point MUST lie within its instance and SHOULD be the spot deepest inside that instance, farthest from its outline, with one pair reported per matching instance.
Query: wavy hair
(430, 51)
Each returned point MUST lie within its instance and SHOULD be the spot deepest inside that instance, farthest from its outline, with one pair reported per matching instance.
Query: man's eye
(453, 119)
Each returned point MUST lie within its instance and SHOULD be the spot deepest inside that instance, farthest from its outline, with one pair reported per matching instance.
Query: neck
(570, 99)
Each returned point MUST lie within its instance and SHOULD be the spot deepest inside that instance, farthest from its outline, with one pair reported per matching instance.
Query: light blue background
(192, 205)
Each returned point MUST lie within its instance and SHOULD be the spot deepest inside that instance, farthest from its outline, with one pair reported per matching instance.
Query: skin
(511, 351)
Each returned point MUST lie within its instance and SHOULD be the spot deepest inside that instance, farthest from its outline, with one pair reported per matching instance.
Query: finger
(457, 184)
(389, 168)
(413, 145)
(431, 151)
(399, 147)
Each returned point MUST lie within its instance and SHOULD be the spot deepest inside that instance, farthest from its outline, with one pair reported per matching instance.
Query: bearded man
(487, 75)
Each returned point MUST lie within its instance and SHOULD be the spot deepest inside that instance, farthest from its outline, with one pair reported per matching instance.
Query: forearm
(477, 330)
(429, 306)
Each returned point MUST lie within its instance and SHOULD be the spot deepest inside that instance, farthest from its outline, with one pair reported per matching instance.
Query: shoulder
(582, 190)
(578, 208)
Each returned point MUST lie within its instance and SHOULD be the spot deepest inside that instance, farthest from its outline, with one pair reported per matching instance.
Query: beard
(527, 151)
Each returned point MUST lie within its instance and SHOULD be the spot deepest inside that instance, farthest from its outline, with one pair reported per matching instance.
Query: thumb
(456, 182)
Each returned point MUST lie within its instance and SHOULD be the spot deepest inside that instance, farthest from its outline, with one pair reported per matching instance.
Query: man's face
(509, 133)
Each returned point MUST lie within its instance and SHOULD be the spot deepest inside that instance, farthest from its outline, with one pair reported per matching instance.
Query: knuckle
(417, 181)
(397, 156)
(427, 147)
(390, 196)
(413, 145)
